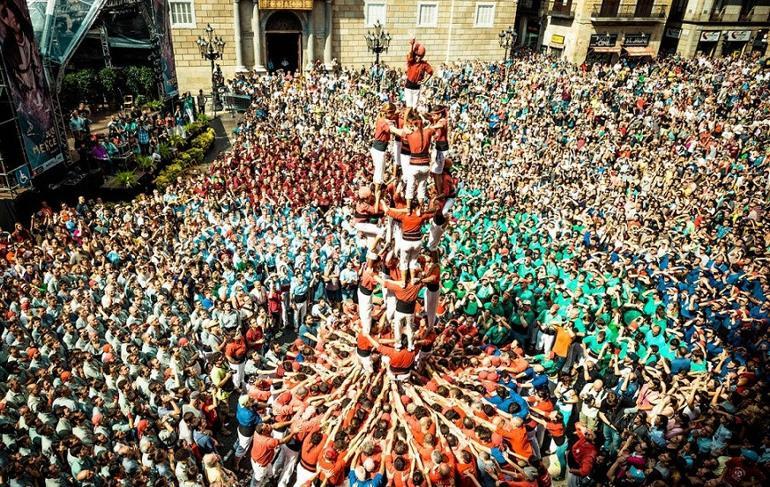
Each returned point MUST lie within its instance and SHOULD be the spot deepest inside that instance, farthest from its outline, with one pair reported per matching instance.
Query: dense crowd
(134, 131)
(564, 276)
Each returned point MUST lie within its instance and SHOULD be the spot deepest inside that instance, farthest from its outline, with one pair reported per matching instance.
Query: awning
(634, 51)
(607, 49)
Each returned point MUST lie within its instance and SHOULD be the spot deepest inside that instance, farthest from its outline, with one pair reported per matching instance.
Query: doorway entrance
(283, 42)
(283, 51)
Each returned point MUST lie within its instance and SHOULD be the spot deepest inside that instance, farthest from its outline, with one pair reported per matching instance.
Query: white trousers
(300, 311)
(403, 319)
(303, 476)
(447, 209)
(396, 152)
(404, 162)
(390, 304)
(411, 97)
(378, 158)
(435, 232)
(431, 305)
(416, 179)
(288, 459)
(365, 311)
(261, 474)
(437, 164)
(366, 364)
(239, 372)
(408, 251)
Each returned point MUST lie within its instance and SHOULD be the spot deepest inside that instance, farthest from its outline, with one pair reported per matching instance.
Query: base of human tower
(437, 416)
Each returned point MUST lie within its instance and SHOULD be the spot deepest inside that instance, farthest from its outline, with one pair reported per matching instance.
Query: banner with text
(27, 85)
(163, 29)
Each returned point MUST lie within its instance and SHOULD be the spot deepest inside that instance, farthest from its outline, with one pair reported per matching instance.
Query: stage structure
(31, 137)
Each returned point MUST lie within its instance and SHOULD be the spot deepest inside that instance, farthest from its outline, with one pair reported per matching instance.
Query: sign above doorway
(286, 4)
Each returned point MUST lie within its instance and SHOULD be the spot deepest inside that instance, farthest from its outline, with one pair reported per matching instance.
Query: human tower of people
(577, 289)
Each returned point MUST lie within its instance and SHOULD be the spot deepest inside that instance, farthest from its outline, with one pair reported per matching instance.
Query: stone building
(268, 34)
(717, 27)
(585, 30)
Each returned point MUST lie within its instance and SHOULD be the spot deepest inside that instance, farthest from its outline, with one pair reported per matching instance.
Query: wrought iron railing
(565, 10)
(613, 10)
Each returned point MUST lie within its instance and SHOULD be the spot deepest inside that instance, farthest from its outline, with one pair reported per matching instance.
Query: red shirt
(401, 361)
(382, 129)
(310, 453)
(263, 449)
(332, 472)
(411, 225)
(235, 350)
(416, 71)
(406, 294)
(419, 145)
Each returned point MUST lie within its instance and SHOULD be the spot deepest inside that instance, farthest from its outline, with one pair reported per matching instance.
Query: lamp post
(378, 42)
(212, 47)
(507, 41)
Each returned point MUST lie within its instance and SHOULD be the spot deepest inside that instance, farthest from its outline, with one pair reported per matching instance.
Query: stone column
(237, 35)
(310, 40)
(328, 36)
(257, 40)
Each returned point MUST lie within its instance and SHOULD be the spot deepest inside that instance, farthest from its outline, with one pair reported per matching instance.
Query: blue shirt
(374, 482)
(247, 416)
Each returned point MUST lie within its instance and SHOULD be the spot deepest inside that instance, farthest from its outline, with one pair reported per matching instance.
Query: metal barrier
(236, 103)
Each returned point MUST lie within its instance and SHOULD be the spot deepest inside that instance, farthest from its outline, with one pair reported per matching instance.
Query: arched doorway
(283, 42)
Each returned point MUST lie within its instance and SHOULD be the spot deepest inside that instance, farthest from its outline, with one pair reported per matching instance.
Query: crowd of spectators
(134, 131)
(603, 313)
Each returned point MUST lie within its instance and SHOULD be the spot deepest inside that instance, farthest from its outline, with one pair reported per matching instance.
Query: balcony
(561, 10)
(717, 15)
(643, 12)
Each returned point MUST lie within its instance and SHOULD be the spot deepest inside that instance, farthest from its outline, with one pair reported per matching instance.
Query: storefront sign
(674, 32)
(557, 39)
(710, 36)
(638, 40)
(603, 40)
(286, 4)
(738, 35)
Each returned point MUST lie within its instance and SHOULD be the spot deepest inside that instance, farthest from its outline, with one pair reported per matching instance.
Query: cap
(183, 342)
(331, 454)
(369, 464)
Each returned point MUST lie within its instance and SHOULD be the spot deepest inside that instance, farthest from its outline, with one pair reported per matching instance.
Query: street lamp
(377, 41)
(212, 47)
(507, 41)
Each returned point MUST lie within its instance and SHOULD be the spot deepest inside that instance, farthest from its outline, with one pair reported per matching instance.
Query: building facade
(269, 34)
(717, 27)
(585, 30)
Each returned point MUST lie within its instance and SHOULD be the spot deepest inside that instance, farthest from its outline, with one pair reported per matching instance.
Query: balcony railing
(606, 11)
(562, 11)
(717, 15)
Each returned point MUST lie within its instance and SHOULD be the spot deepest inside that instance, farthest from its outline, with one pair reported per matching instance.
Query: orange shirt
(382, 129)
(401, 361)
(263, 449)
(562, 342)
(396, 477)
(406, 294)
(310, 453)
(410, 224)
(332, 472)
(236, 350)
(417, 70)
(419, 145)
(517, 438)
